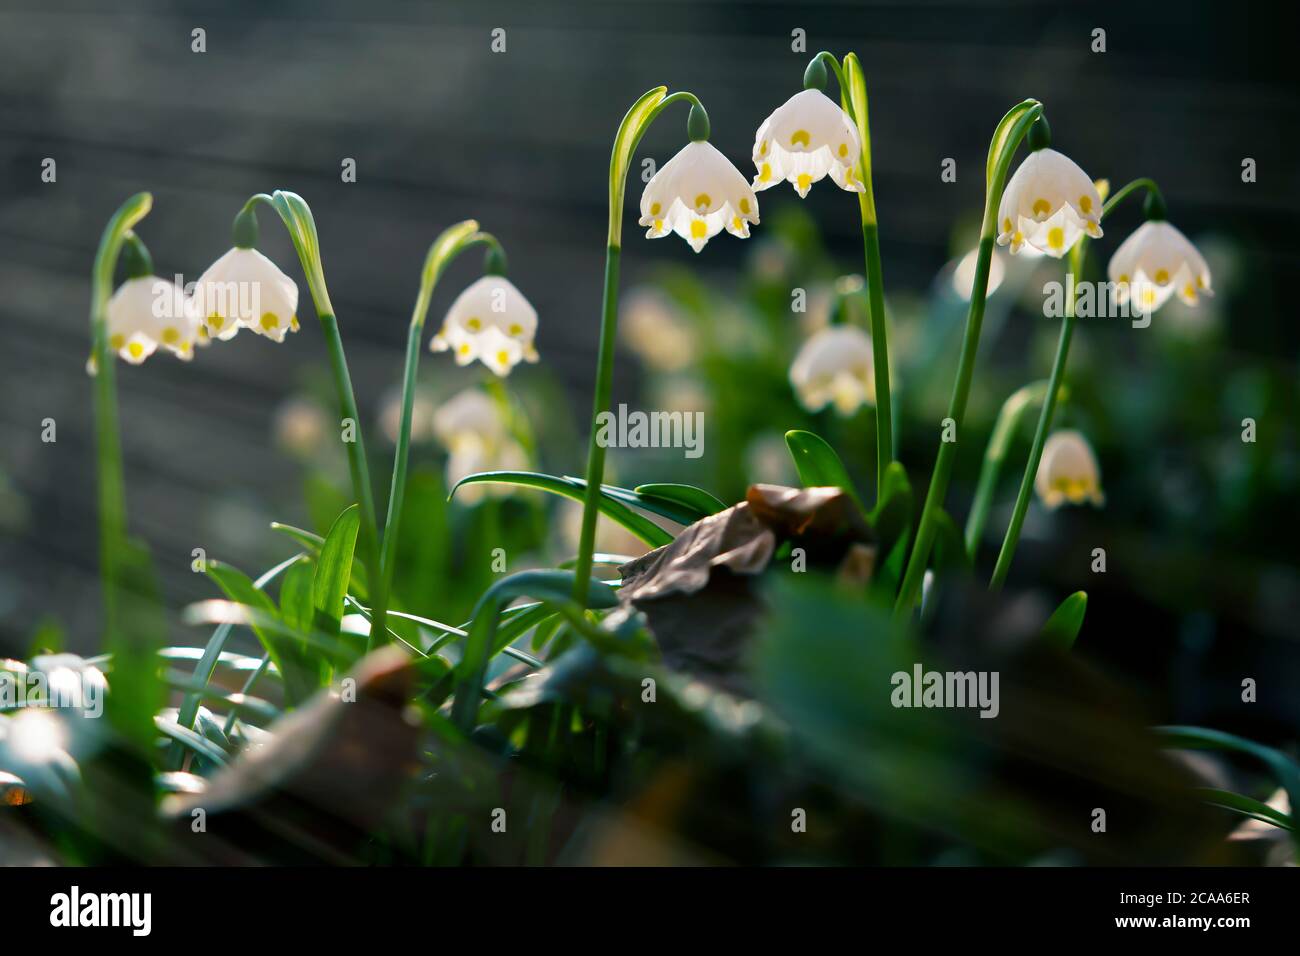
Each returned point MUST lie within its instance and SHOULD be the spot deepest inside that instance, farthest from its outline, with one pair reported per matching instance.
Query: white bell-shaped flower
(1048, 204)
(806, 138)
(1068, 471)
(697, 194)
(245, 288)
(148, 312)
(468, 412)
(1157, 261)
(491, 321)
(835, 366)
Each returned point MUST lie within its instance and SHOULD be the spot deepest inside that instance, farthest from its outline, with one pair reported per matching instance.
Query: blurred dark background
(442, 128)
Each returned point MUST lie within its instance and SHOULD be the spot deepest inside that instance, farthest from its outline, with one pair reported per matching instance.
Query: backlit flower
(1157, 262)
(490, 321)
(148, 312)
(697, 194)
(245, 288)
(1068, 471)
(803, 140)
(835, 366)
(1048, 203)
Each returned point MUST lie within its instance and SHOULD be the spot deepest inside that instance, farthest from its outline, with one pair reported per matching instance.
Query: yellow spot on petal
(1085, 203)
(216, 321)
(1056, 237)
(744, 206)
(844, 149)
(1189, 290)
(171, 336)
(293, 323)
(516, 328)
(762, 149)
(800, 136)
(473, 323)
(1123, 279)
(702, 201)
(1200, 282)
(464, 348)
(1006, 225)
(738, 224)
(136, 349)
(1042, 207)
(698, 229)
(503, 357)
(1148, 296)
(804, 181)
(1162, 276)
(654, 208)
(765, 172)
(269, 321)
(659, 225)
(116, 342)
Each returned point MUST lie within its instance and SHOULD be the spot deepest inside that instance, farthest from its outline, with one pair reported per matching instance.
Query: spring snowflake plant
(459, 676)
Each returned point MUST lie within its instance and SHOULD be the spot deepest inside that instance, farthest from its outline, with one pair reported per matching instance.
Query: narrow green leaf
(311, 543)
(296, 605)
(699, 501)
(643, 528)
(1246, 807)
(817, 463)
(1062, 628)
(334, 570)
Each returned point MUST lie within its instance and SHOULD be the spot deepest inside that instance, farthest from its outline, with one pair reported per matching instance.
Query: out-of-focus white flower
(1157, 262)
(471, 427)
(472, 454)
(147, 312)
(1048, 203)
(300, 426)
(490, 321)
(468, 412)
(835, 366)
(390, 415)
(963, 276)
(656, 331)
(804, 139)
(697, 194)
(245, 288)
(1068, 471)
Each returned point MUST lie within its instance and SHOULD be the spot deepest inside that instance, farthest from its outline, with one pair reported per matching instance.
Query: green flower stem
(450, 244)
(108, 460)
(853, 99)
(1006, 138)
(1003, 566)
(638, 119)
(995, 454)
(1044, 426)
(298, 219)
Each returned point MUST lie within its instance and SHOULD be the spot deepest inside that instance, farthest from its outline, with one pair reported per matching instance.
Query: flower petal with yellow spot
(835, 366)
(1155, 263)
(697, 194)
(246, 289)
(1048, 203)
(1068, 472)
(805, 139)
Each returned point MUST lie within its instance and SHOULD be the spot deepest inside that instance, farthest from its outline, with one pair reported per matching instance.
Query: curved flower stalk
(808, 138)
(1159, 250)
(697, 196)
(442, 252)
(298, 220)
(1006, 138)
(108, 446)
(148, 312)
(1068, 472)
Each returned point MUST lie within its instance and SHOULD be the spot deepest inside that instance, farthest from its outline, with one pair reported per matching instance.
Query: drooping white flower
(1048, 203)
(468, 412)
(1068, 471)
(1157, 261)
(245, 288)
(148, 312)
(697, 194)
(490, 321)
(835, 366)
(806, 138)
